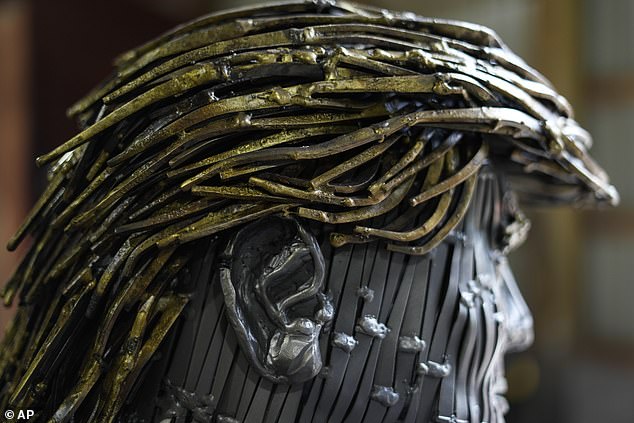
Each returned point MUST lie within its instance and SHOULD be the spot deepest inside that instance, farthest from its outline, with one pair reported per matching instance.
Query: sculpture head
(332, 186)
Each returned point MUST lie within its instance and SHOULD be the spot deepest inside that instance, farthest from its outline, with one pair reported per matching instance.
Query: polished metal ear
(272, 275)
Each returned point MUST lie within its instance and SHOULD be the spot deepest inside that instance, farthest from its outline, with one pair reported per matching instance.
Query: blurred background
(576, 270)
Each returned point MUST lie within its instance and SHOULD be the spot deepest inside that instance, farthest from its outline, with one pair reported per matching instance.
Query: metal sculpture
(297, 212)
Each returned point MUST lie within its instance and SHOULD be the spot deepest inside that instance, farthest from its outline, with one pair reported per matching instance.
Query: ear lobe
(272, 276)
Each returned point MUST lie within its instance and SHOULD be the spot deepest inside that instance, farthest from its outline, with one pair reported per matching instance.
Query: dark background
(575, 270)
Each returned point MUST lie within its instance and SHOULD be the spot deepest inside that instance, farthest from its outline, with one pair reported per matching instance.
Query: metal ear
(272, 275)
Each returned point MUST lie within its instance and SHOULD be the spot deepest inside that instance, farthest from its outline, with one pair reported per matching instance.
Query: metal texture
(264, 258)
(293, 212)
